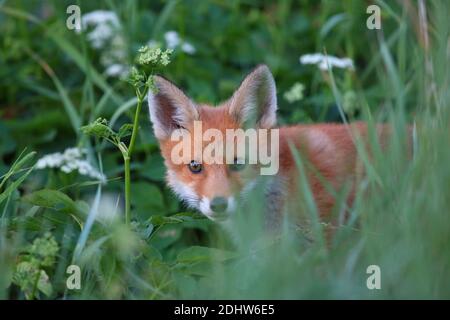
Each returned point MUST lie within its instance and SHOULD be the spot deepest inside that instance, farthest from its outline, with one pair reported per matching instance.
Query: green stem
(126, 160)
(35, 284)
(135, 127)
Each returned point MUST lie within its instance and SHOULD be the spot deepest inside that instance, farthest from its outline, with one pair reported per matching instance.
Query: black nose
(219, 204)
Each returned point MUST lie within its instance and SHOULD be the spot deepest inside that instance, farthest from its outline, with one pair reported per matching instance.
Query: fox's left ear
(169, 108)
(254, 104)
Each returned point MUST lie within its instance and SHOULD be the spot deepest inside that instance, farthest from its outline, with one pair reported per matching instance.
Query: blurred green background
(54, 80)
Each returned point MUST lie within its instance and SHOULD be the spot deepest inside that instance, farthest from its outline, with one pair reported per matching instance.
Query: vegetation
(69, 197)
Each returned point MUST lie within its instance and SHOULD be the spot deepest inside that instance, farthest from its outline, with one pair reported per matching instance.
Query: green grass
(52, 82)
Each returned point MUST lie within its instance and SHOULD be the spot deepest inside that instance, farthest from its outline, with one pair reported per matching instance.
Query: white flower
(105, 35)
(98, 17)
(188, 48)
(100, 36)
(70, 160)
(295, 93)
(174, 41)
(117, 70)
(105, 23)
(326, 61)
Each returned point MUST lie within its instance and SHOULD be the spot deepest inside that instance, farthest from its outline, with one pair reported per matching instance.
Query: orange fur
(326, 149)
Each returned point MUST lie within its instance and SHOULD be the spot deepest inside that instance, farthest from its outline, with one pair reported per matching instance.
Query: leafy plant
(52, 81)
(142, 82)
(30, 274)
(15, 168)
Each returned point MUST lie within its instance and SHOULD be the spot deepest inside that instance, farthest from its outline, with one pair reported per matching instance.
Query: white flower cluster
(174, 41)
(72, 159)
(104, 24)
(106, 36)
(325, 61)
(295, 93)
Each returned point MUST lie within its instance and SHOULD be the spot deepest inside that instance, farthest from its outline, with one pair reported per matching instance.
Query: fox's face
(211, 188)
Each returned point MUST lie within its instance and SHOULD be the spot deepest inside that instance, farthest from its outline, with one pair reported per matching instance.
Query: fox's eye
(238, 165)
(195, 166)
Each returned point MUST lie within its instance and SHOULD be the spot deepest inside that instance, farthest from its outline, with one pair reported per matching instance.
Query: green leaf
(159, 220)
(13, 186)
(25, 276)
(44, 284)
(198, 254)
(44, 249)
(55, 200)
(143, 229)
(331, 23)
(99, 128)
(154, 168)
(125, 130)
(147, 199)
(71, 111)
(165, 235)
(16, 166)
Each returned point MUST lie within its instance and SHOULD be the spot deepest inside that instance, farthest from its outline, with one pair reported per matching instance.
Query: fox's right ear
(254, 103)
(169, 108)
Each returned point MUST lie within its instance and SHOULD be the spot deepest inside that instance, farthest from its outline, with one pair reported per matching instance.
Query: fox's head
(211, 188)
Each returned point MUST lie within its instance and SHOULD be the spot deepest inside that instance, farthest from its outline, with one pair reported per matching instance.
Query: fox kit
(214, 188)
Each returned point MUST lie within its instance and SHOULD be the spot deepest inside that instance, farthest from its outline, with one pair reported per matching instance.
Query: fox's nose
(219, 204)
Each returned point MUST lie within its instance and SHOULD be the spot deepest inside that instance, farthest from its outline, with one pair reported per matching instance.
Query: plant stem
(135, 127)
(35, 284)
(126, 160)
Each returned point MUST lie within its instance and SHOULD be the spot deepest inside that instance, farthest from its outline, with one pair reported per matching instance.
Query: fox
(215, 189)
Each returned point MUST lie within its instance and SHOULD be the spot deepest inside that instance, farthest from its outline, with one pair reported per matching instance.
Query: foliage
(54, 82)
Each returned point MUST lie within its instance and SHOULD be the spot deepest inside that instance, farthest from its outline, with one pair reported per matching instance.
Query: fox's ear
(169, 108)
(254, 104)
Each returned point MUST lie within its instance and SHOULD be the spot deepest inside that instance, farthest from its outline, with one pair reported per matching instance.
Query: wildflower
(106, 36)
(188, 48)
(100, 17)
(148, 55)
(165, 57)
(117, 70)
(154, 56)
(135, 78)
(105, 24)
(99, 36)
(295, 93)
(174, 41)
(326, 61)
(70, 160)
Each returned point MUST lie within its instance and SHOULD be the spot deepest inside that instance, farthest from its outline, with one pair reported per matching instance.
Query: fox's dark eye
(238, 165)
(195, 166)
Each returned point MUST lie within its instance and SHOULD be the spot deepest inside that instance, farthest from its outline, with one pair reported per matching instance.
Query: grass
(52, 82)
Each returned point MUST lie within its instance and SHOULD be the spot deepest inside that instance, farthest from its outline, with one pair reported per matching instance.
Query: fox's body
(214, 189)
